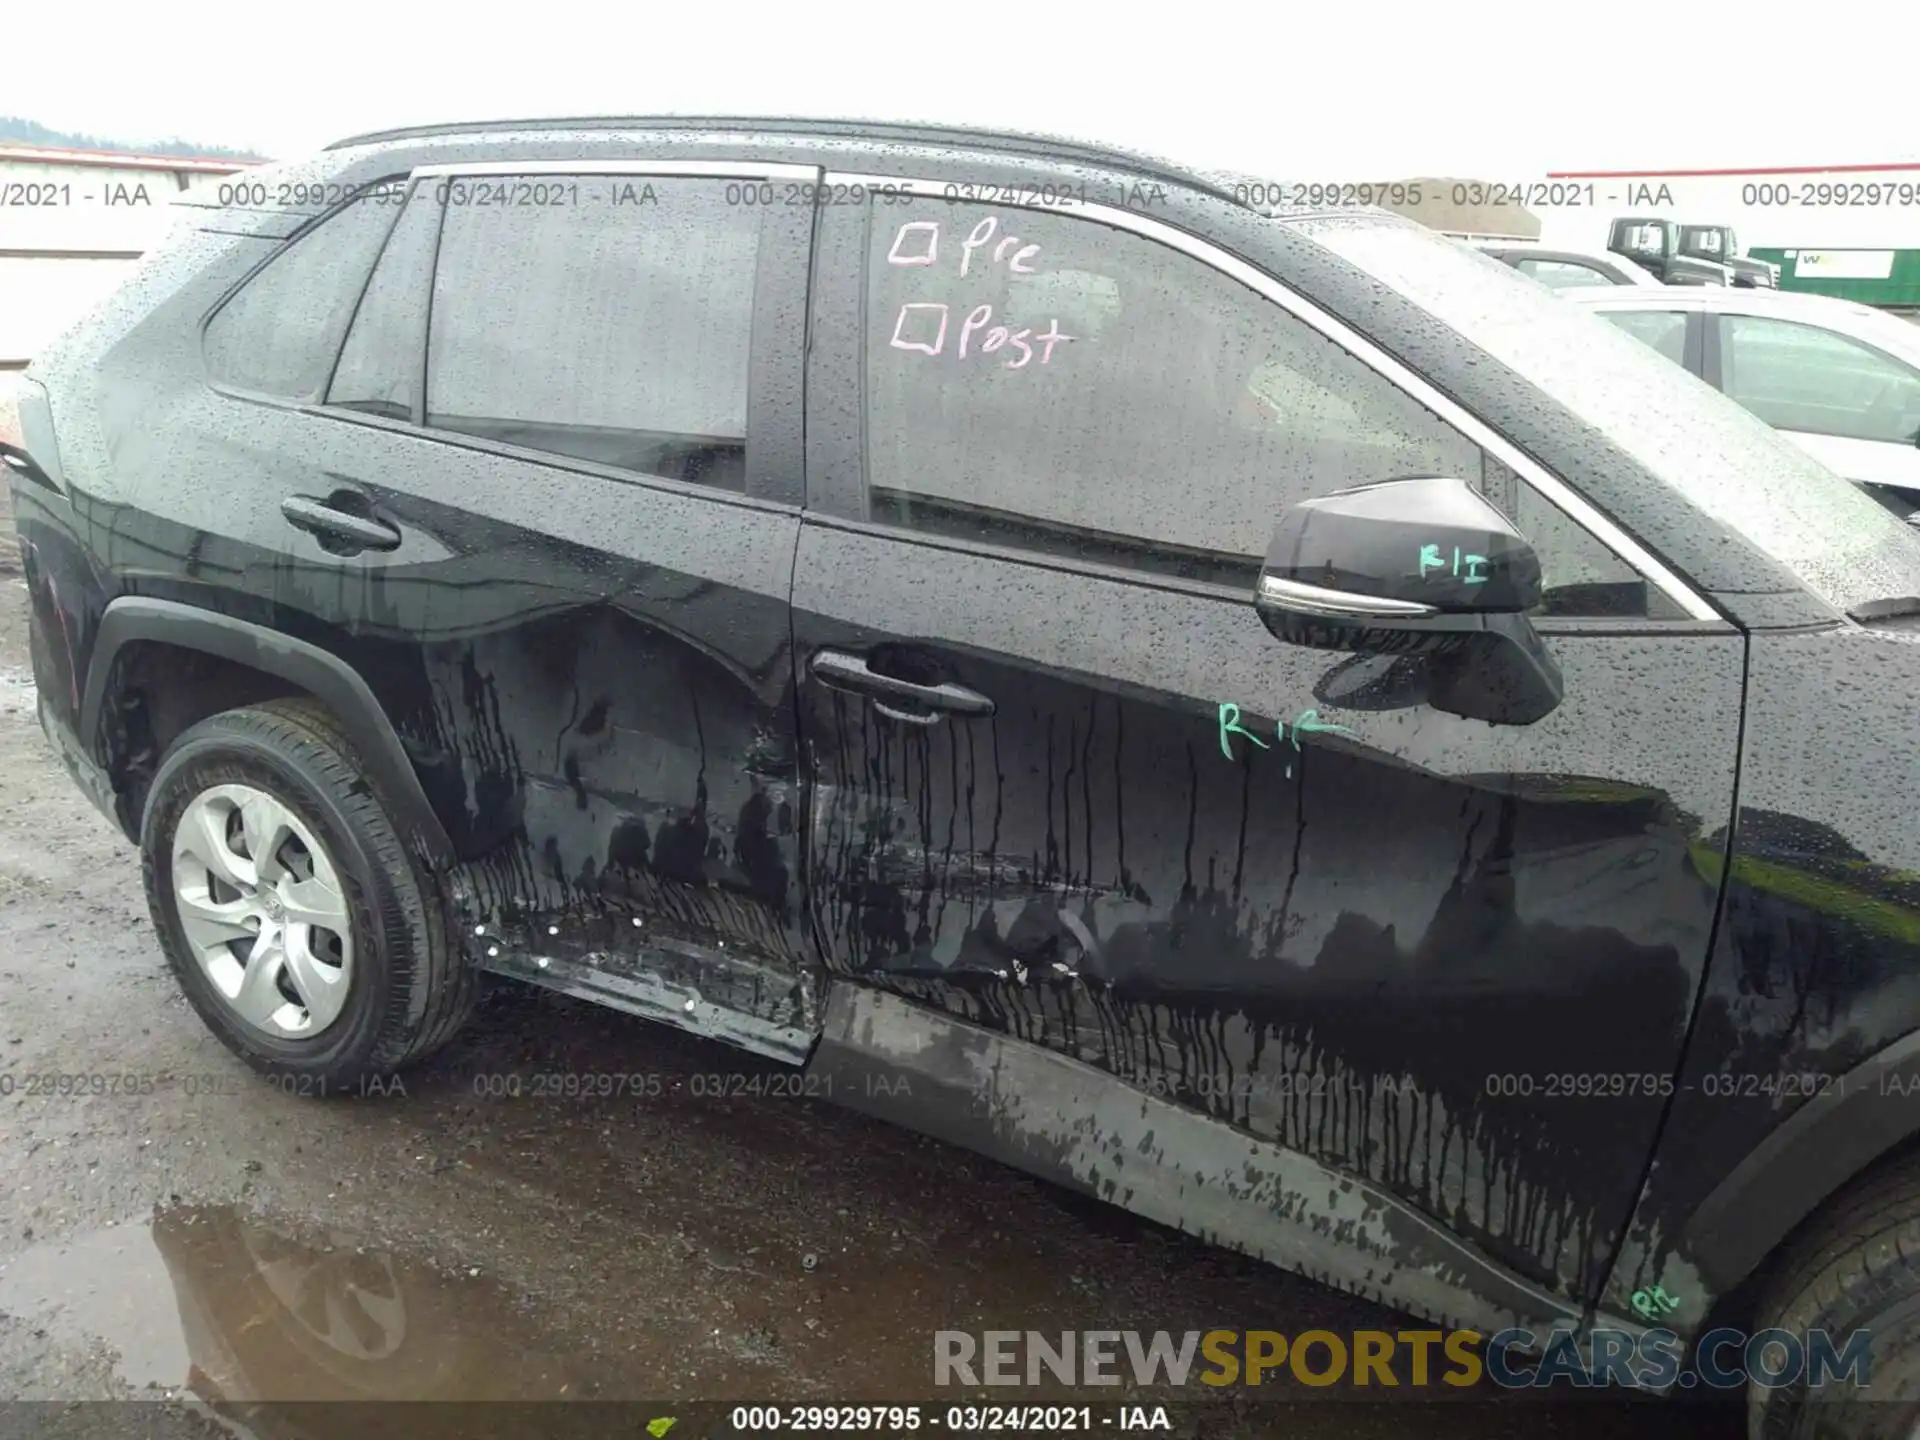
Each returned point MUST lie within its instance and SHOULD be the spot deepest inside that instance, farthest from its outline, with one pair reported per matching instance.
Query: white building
(72, 225)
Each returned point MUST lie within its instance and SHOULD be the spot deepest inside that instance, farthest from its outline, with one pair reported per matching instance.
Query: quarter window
(280, 333)
(610, 323)
(1049, 383)
(1805, 378)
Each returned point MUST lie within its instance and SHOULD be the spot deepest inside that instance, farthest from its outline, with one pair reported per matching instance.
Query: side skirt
(1073, 1124)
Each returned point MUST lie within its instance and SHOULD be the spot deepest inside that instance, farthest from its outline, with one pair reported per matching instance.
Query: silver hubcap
(263, 909)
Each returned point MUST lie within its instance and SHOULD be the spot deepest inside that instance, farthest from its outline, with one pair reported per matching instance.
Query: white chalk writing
(901, 323)
(920, 319)
(917, 242)
(930, 229)
(921, 325)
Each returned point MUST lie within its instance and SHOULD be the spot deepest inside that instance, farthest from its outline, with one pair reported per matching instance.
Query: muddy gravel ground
(183, 1234)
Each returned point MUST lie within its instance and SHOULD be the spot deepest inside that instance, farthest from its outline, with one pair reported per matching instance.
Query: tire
(1856, 1268)
(354, 1000)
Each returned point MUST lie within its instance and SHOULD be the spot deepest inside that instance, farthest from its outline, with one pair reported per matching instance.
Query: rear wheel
(306, 933)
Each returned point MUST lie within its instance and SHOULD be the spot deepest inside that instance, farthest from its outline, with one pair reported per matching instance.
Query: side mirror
(1426, 567)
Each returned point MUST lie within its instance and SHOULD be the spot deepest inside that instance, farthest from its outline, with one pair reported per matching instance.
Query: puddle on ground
(270, 1329)
(210, 1303)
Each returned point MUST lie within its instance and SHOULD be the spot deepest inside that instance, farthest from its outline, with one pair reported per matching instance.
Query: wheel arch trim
(322, 674)
(1813, 1153)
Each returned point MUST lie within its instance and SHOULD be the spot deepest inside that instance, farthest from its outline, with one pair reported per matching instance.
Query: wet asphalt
(176, 1232)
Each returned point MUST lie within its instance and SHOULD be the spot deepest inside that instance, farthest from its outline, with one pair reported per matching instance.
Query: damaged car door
(547, 504)
(1069, 788)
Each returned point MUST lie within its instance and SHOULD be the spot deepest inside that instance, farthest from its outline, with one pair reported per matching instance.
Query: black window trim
(1695, 607)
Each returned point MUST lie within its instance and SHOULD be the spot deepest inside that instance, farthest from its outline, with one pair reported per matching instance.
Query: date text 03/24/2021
(956, 1419)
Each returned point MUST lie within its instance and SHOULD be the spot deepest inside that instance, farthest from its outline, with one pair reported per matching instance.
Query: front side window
(1640, 239)
(1703, 242)
(611, 323)
(1048, 382)
(1845, 545)
(1107, 394)
(1664, 330)
(1802, 377)
(279, 334)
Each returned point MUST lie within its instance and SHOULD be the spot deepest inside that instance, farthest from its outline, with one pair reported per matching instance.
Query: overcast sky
(1340, 91)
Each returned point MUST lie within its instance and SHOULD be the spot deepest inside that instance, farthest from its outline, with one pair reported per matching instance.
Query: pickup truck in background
(1718, 245)
(1655, 245)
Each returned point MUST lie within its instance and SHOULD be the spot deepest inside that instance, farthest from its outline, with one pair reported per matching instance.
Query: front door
(1067, 786)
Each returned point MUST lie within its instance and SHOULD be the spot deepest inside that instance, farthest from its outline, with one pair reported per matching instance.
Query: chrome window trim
(1575, 507)
(715, 169)
(1344, 604)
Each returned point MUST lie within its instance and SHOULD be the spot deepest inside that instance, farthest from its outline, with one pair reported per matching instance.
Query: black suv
(1260, 716)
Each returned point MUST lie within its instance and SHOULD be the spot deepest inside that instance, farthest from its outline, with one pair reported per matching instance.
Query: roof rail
(1013, 141)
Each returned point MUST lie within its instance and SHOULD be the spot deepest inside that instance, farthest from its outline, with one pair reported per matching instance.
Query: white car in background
(1839, 379)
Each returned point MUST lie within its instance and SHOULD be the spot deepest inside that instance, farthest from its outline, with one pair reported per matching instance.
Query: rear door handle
(840, 671)
(318, 517)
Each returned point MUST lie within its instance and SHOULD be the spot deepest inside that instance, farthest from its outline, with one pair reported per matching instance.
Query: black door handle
(327, 520)
(840, 671)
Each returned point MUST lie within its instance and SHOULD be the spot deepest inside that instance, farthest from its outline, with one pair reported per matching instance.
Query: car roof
(1239, 188)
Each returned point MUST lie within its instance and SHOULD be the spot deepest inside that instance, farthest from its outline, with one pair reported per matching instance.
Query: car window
(1664, 330)
(1806, 378)
(380, 364)
(1563, 274)
(1641, 239)
(1046, 382)
(279, 334)
(605, 329)
(1845, 545)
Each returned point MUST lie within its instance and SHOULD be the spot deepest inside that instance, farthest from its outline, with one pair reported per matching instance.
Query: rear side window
(280, 333)
(612, 323)
(1664, 330)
